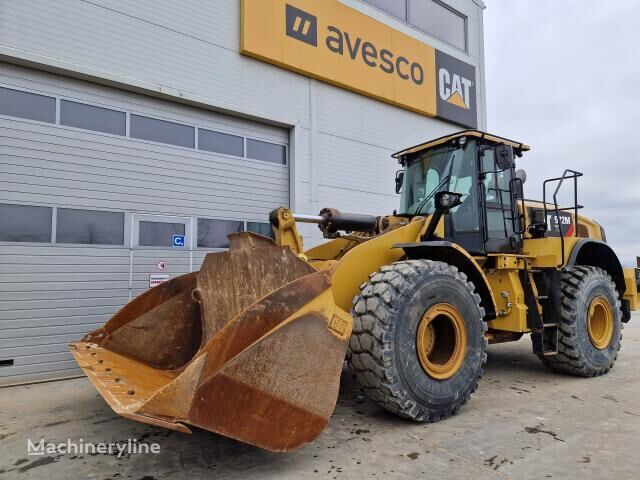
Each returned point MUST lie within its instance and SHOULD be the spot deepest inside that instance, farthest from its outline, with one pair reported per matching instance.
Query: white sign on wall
(157, 279)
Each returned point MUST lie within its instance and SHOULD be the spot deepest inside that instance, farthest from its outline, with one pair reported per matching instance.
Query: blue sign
(178, 241)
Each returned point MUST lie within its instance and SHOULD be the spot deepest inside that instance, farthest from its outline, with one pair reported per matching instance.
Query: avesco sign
(361, 50)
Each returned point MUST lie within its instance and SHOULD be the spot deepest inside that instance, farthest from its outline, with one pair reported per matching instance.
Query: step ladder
(544, 328)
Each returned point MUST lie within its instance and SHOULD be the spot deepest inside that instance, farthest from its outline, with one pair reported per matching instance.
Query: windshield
(426, 175)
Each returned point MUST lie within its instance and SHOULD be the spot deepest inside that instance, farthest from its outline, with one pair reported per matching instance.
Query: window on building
(158, 234)
(435, 19)
(213, 233)
(89, 117)
(16, 103)
(25, 223)
(90, 227)
(261, 229)
(397, 8)
(146, 128)
(220, 142)
(269, 152)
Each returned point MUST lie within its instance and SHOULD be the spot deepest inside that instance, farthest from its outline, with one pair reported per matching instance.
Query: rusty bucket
(250, 347)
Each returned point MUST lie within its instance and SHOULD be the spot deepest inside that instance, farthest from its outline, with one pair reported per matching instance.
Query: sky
(564, 77)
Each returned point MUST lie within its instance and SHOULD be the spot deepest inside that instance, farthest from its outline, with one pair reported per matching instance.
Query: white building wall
(181, 52)
(188, 51)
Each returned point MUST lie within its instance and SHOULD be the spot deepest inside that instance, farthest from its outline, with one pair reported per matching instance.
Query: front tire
(418, 346)
(590, 328)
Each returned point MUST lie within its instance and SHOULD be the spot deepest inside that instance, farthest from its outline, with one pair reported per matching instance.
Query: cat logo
(455, 89)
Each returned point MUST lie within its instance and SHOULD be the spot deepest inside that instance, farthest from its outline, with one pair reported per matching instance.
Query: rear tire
(590, 329)
(420, 371)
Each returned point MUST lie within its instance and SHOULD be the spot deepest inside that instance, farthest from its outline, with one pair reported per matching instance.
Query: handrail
(568, 174)
(516, 220)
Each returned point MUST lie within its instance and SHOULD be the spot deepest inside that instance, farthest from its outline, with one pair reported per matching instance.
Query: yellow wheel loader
(252, 346)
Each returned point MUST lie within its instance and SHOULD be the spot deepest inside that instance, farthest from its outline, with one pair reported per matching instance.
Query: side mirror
(448, 200)
(518, 184)
(445, 201)
(504, 157)
(399, 180)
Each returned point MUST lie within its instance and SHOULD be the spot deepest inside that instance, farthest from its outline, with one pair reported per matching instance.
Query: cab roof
(517, 146)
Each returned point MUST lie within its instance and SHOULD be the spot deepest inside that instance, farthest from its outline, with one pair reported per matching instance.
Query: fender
(595, 253)
(455, 255)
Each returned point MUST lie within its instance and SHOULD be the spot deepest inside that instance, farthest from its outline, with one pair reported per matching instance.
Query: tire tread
(371, 344)
(568, 358)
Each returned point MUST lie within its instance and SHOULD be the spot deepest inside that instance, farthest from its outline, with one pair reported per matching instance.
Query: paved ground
(525, 422)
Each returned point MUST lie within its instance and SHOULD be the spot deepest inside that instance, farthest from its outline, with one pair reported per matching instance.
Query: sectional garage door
(103, 192)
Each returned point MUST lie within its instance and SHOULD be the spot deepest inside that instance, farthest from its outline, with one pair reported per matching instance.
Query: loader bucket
(250, 347)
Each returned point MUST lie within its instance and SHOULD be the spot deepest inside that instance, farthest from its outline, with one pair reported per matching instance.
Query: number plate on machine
(555, 222)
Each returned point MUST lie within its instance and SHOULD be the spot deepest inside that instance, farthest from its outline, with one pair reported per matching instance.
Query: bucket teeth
(250, 347)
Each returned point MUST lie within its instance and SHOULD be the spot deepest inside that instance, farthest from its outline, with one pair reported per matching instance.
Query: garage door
(104, 193)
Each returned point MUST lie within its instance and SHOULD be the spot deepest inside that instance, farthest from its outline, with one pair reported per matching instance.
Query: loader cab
(481, 168)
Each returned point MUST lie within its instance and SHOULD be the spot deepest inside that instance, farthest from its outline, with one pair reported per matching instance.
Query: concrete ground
(524, 422)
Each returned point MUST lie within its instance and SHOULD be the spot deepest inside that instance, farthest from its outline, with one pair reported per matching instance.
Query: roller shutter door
(95, 183)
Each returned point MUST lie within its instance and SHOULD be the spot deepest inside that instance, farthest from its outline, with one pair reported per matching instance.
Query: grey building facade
(134, 136)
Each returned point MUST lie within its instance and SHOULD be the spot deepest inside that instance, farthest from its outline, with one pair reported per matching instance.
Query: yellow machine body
(252, 346)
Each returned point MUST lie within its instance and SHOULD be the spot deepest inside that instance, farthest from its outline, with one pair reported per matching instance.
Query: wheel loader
(253, 345)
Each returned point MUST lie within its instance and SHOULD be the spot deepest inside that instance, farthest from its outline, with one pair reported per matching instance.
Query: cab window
(496, 188)
(465, 216)
(495, 181)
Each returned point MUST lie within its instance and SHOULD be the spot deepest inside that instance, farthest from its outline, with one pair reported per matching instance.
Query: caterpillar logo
(335, 43)
(454, 89)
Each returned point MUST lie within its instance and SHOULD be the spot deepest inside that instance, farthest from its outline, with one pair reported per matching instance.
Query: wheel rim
(441, 341)
(600, 322)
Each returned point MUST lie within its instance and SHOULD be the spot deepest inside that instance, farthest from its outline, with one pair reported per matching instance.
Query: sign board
(156, 279)
(335, 43)
(178, 241)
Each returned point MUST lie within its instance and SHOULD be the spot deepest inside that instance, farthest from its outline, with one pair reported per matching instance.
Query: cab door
(499, 206)
(463, 224)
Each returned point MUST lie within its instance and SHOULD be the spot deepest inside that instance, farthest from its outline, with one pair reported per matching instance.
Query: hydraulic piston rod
(308, 218)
